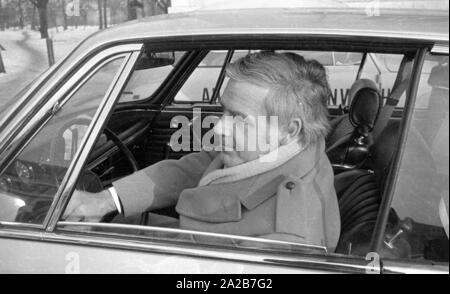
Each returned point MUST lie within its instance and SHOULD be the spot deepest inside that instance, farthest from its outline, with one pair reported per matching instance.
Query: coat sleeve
(160, 185)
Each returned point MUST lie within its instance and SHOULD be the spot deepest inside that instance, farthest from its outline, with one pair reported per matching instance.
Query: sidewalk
(25, 56)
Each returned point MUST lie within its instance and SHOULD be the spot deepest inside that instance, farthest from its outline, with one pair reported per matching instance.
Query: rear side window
(383, 69)
(150, 73)
(199, 87)
(421, 198)
(347, 58)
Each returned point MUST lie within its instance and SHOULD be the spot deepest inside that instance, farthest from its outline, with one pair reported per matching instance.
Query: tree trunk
(132, 14)
(20, 15)
(63, 7)
(43, 22)
(100, 17)
(2, 20)
(33, 19)
(85, 16)
(105, 14)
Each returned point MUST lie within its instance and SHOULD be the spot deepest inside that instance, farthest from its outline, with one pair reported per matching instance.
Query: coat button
(290, 185)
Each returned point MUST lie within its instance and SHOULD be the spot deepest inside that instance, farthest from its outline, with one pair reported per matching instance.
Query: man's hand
(89, 207)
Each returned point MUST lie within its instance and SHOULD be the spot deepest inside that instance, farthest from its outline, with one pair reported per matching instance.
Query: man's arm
(160, 185)
(154, 187)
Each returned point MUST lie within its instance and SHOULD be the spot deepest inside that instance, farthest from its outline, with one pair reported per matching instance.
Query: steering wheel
(122, 147)
(88, 179)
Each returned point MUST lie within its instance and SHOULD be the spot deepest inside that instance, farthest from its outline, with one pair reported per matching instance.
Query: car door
(33, 238)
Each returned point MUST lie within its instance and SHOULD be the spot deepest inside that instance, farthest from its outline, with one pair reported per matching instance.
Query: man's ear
(292, 131)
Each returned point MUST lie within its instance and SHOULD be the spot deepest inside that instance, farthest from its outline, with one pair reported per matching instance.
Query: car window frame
(393, 173)
(57, 222)
(391, 265)
(63, 94)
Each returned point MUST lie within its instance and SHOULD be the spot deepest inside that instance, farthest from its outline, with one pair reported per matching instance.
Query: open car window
(147, 132)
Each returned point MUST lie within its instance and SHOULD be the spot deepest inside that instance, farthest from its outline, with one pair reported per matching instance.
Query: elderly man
(283, 192)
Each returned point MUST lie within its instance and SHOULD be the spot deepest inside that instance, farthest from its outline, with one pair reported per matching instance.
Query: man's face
(245, 130)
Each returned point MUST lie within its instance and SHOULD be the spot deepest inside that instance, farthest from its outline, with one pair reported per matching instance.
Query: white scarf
(216, 174)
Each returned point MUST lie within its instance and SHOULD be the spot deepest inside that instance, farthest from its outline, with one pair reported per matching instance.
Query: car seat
(348, 143)
(359, 193)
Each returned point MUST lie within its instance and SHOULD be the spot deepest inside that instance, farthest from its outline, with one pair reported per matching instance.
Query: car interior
(361, 144)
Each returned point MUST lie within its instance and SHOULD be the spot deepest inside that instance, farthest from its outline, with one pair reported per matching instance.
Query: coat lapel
(223, 202)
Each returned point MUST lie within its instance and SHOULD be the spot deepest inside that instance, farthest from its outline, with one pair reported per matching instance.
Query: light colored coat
(295, 201)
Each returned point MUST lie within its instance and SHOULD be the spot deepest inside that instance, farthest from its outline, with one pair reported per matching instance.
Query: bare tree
(164, 5)
(83, 11)
(33, 18)
(19, 6)
(105, 14)
(63, 9)
(41, 6)
(158, 6)
(100, 17)
(2, 19)
(115, 9)
(132, 5)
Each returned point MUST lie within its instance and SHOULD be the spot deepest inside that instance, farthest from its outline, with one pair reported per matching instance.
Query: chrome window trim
(414, 267)
(93, 132)
(126, 57)
(12, 129)
(189, 232)
(335, 263)
(440, 48)
(19, 225)
(320, 33)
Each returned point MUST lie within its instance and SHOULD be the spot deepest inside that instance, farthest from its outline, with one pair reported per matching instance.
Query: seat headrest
(365, 104)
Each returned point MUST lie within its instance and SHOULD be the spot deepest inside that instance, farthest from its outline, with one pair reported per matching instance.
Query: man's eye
(239, 117)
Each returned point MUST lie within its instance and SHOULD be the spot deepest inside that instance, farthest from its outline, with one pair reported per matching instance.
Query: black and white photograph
(224, 137)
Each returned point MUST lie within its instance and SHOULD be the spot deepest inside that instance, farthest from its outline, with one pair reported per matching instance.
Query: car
(110, 108)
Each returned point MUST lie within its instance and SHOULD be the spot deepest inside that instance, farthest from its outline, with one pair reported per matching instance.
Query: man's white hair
(298, 88)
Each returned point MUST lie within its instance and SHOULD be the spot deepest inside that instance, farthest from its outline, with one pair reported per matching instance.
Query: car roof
(428, 26)
(410, 24)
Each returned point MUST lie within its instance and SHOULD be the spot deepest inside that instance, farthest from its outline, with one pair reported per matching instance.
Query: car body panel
(59, 252)
(55, 258)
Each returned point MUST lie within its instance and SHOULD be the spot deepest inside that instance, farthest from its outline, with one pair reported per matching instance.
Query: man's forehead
(241, 91)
